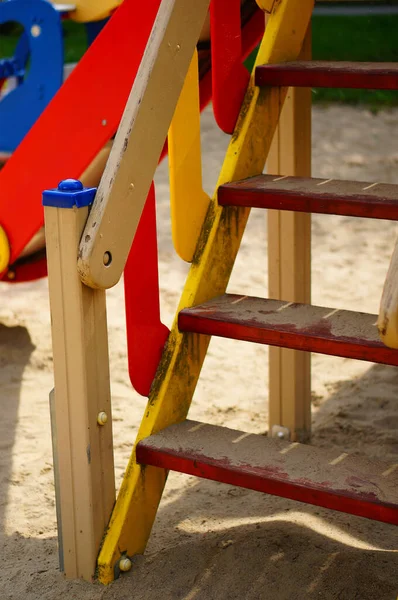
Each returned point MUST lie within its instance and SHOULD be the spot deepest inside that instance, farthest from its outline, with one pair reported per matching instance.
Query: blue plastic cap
(70, 193)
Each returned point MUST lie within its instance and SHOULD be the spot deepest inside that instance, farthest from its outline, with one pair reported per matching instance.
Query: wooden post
(289, 264)
(84, 448)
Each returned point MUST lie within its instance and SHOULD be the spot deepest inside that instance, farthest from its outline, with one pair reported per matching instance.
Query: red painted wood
(326, 478)
(289, 325)
(355, 75)
(146, 334)
(351, 198)
(230, 77)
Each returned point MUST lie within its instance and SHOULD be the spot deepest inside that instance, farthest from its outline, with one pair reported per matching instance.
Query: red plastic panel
(29, 269)
(230, 77)
(328, 478)
(290, 325)
(146, 334)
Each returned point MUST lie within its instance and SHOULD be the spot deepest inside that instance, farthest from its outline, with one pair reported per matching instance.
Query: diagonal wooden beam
(120, 199)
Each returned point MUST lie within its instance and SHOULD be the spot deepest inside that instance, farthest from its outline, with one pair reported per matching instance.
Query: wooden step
(290, 325)
(327, 478)
(338, 74)
(305, 194)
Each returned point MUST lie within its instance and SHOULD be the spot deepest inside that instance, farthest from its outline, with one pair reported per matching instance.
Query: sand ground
(212, 541)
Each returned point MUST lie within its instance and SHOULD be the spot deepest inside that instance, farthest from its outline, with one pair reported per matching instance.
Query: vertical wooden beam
(84, 448)
(289, 263)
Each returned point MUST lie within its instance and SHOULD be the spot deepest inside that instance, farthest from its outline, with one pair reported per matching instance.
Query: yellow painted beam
(388, 315)
(188, 201)
(266, 5)
(183, 357)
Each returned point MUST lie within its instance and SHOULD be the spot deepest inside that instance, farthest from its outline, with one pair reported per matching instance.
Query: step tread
(344, 74)
(304, 327)
(329, 478)
(306, 194)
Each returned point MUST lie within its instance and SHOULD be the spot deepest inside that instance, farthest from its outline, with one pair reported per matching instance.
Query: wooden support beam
(124, 187)
(84, 449)
(289, 263)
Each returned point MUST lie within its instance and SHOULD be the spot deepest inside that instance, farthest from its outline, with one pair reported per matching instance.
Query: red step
(305, 194)
(290, 325)
(328, 478)
(358, 75)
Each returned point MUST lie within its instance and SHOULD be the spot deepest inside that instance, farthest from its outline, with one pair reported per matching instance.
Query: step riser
(366, 76)
(313, 195)
(194, 466)
(331, 206)
(294, 341)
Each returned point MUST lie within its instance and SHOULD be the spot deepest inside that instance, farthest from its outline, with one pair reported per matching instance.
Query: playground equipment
(102, 240)
(80, 151)
(28, 82)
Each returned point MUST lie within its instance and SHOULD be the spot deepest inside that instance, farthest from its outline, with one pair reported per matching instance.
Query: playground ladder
(166, 439)
(316, 476)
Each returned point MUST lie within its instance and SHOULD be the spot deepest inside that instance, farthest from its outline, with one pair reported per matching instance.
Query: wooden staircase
(166, 440)
(291, 470)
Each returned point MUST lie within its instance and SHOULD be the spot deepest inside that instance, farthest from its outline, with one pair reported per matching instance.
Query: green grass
(74, 41)
(356, 38)
(334, 38)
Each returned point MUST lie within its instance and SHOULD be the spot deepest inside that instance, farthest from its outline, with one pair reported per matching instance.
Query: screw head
(102, 418)
(107, 258)
(125, 564)
(35, 30)
(70, 185)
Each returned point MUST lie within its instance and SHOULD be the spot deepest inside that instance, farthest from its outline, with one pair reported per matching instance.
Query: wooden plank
(292, 325)
(188, 201)
(82, 384)
(184, 354)
(289, 263)
(312, 195)
(121, 196)
(327, 478)
(337, 74)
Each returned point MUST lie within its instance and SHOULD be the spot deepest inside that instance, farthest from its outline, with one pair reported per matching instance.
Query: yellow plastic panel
(92, 10)
(265, 5)
(4, 250)
(188, 201)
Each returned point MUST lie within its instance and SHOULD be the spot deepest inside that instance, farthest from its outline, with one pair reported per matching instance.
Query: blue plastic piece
(70, 193)
(42, 43)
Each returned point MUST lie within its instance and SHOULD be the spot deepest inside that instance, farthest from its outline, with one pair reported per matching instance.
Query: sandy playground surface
(212, 541)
